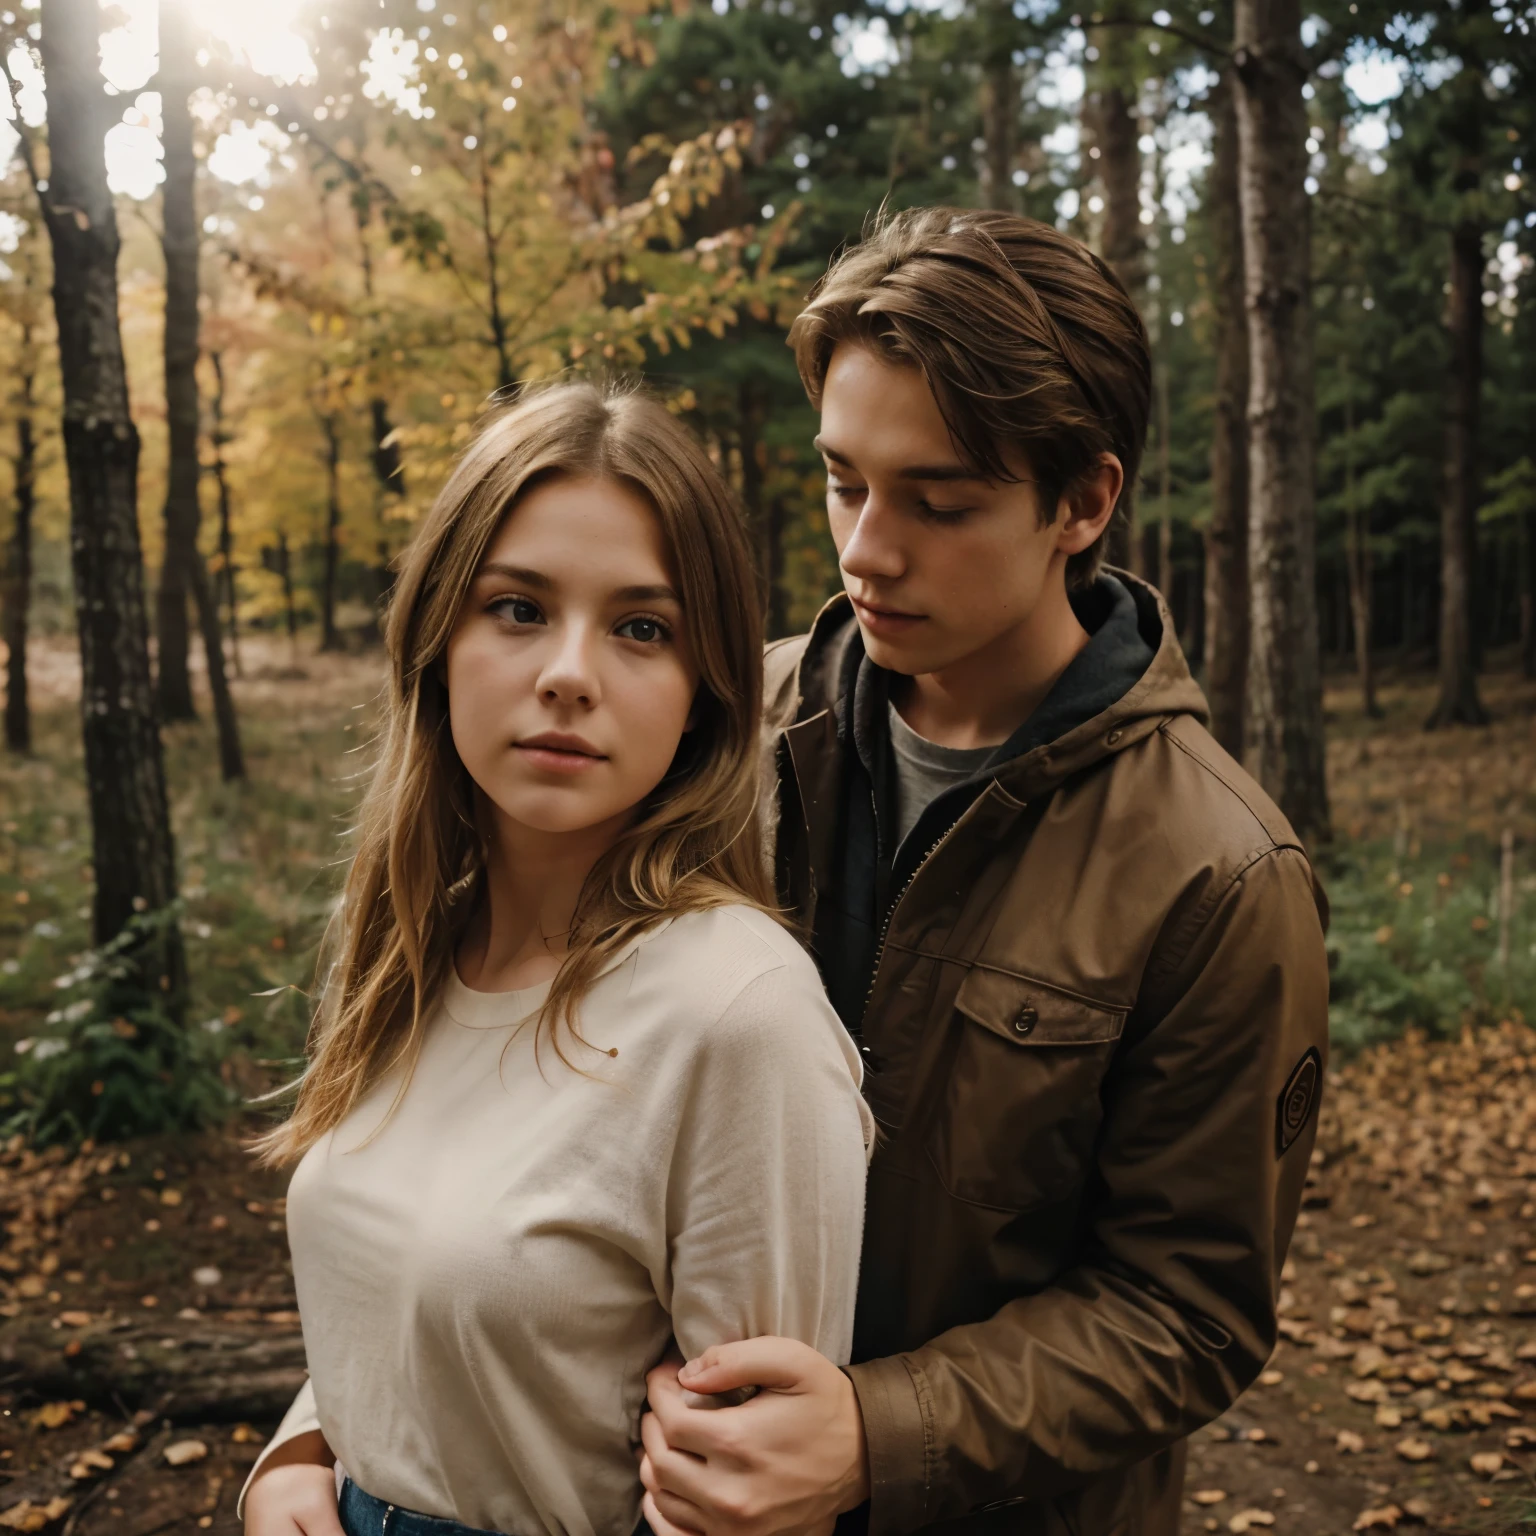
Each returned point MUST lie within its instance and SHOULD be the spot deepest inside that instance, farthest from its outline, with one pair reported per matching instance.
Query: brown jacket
(1097, 1022)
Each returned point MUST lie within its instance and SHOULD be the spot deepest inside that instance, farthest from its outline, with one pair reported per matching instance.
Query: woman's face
(570, 679)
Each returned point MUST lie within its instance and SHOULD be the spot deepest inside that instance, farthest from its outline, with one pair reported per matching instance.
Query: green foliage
(1414, 943)
(112, 1061)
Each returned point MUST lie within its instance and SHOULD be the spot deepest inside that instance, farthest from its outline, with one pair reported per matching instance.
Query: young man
(1082, 952)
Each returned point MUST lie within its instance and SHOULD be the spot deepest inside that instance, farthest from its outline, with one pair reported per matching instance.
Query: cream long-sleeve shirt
(486, 1275)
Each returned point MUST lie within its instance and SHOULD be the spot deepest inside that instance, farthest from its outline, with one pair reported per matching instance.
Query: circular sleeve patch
(1294, 1107)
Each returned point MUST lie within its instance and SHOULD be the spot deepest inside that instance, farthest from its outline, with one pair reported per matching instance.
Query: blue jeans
(364, 1515)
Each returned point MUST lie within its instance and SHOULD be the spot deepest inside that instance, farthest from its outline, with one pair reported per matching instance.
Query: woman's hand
(294, 1494)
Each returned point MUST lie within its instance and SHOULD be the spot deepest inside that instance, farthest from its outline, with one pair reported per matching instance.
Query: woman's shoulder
(710, 961)
(732, 939)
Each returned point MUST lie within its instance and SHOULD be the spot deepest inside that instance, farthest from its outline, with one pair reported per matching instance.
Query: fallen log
(201, 1370)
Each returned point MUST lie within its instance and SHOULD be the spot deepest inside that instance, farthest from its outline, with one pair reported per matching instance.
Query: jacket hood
(834, 648)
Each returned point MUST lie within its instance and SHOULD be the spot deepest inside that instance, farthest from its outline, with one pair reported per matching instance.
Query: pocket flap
(1029, 1013)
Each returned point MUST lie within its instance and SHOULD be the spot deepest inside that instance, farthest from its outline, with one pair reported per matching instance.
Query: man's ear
(1088, 504)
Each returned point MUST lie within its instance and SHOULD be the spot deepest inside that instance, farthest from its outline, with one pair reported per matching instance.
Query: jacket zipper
(890, 912)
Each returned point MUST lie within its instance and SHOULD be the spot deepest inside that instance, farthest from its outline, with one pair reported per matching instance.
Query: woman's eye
(517, 610)
(845, 491)
(647, 631)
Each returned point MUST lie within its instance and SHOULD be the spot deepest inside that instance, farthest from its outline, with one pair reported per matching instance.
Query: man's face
(940, 562)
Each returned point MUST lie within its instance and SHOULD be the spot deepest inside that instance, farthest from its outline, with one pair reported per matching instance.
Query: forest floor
(1402, 1395)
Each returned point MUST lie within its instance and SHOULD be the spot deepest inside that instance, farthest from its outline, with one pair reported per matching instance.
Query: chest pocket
(1021, 1106)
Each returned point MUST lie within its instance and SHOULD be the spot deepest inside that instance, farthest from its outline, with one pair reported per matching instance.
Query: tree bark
(330, 637)
(1110, 120)
(999, 109)
(1528, 593)
(179, 241)
(1357, 556)
(1283, 731)
(1458, 703)
(749, 426)
(290, 610)
(132, 851)
(231, 758)
(226, 525)
(183, 512)
(185, 1371)
(1226, 539)
(16, 601)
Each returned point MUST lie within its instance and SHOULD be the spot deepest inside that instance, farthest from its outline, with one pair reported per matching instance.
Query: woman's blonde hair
(420, 857)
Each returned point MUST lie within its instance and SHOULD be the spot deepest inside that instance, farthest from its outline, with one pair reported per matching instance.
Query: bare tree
(330, 426)
(1226, 537)
(132, 851)
(1458, 703)
(16, 592)
(179, 240)
(1284, 708)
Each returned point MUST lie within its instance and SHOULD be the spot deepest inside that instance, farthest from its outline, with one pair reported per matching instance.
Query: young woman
(573, 1092)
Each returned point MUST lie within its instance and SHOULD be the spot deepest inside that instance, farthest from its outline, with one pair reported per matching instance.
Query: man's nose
(873, 551)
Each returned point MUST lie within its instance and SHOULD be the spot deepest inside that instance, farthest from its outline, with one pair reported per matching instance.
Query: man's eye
(647, 631)
(517, 610)
(942, 514)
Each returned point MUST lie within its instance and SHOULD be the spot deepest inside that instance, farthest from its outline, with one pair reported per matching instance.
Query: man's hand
(790, 1459)
(295, 1493)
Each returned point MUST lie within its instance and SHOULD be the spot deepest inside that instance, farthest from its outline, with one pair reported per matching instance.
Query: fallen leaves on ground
(27, 1516)
(183, 1452)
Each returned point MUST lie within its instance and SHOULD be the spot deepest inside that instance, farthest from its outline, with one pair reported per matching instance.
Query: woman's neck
(533, 881)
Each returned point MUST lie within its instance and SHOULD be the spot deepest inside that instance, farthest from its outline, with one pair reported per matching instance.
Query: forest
(263, 270)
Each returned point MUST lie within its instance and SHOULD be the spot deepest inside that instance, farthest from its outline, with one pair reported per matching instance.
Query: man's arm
(1171, 1312)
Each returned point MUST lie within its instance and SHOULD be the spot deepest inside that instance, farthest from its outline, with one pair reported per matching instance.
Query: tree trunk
(1458, 703)
(1115, 132)
(1164, 489)
(1357, 557)
(16, 600)
(1283, 731)
(330, 637)
(999, 109)
(178, 240)
(1528, 593)
(231, 758)
(182, 407)
(749, 422)
(184, 1370)
(227, 573)
(1226, 539)
(290, 611)
(1111, 128)
(132, 851)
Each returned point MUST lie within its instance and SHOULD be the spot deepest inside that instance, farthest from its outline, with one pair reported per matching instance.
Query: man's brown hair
(1029, 342)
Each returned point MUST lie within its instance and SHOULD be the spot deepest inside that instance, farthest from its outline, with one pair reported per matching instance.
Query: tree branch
(1378, 206)
(1201, 40)
(23, 134)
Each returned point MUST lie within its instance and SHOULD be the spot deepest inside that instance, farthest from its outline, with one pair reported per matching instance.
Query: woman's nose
(570, 677)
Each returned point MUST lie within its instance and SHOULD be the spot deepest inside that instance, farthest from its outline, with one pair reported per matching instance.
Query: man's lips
(885, 620)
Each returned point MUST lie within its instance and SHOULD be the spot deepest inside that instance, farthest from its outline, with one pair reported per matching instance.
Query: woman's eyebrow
(644, 592)
(522, 573)
(660, 593)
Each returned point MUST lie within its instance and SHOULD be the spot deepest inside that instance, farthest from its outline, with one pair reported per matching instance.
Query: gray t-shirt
(924, 770)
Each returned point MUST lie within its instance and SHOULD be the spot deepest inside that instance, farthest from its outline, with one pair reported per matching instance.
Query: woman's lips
(552, 759)
(886, 621)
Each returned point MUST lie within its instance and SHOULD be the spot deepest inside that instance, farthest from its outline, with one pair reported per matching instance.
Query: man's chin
(908, 656)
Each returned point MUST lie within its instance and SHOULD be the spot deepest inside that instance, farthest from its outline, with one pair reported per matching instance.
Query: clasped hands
(790, 1459)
